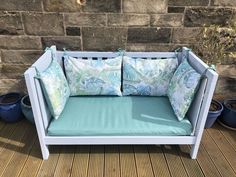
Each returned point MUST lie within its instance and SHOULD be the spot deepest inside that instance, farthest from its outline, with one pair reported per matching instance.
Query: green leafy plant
(215, 43)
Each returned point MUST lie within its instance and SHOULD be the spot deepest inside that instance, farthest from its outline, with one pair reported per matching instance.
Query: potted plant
(214, 45)
(10, 110)
(27, 109)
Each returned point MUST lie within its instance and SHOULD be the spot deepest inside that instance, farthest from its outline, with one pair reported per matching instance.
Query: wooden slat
(64, 164)
(174, 162)
(33, 162)
(143, 162)
(18, 160)
(191, 166)
(112, 161)
(227, 150)
(96, 162)
(216, 156)
(206, 163)
(228, 134)
(81, 160)
(10, 147)
(48, 166)
(159, 164)
(115, 54)
(6, 134)
(2, 124)
(127, 162)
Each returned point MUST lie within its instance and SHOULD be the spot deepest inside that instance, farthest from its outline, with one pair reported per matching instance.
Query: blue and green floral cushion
(148, 77)
(182, 88)
(93, 77)
(55, 88)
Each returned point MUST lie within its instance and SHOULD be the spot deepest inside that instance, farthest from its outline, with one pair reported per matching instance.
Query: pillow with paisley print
(93, 77)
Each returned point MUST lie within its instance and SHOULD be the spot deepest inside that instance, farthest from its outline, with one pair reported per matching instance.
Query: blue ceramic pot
(10, 109)
(229, 114)
(213, 114)
(27, 109)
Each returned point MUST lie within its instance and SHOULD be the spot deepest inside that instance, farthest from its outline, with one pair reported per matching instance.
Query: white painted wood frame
(197, 113)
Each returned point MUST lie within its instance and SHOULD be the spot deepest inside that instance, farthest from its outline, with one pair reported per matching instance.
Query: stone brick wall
(28, 26)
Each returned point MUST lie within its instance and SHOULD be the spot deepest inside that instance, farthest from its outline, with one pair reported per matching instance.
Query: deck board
(127, 162)
(112, 161)
(10, 147)
(206, 164)
(48, 166)
(96, 162)
(174, 162)
(81, 160)
(33, 162)
(224, 146)
(143, 162)
(158, 161)
(64, 164)
(191, 166)
(228, 134)
(217, 157)
(2, 125)
(5, 134)
(20, 155)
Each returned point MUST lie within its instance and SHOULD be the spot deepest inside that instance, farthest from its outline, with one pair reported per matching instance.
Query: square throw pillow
(182, 88)
(93, 77)
(55, 88)
(148, 77)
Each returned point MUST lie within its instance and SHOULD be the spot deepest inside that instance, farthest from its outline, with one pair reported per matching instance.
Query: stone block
(61, 5)
(20, 42)
(174, 9)
(10, 23)
(26, 57)
(102, 6)
(196, 17)
(128, 20)
(226, 70)
(185, 35)
(153, 47)
(188, 2)
(20, 5)
(69, 43)
(43, 24)
(73, 31)
(12, 71)
(167, 20)
(145, 6)
(12, 85)
(82, 19)
(226, 85)
(149, 35)
(104, 39)
(224, 2)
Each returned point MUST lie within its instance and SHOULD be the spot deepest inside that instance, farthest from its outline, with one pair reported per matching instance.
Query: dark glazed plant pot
(229, 114)
(27, 109)
(10, 110)
(215, 111)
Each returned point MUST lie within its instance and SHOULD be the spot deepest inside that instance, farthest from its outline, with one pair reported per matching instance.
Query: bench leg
(194, 150)
(45, 151)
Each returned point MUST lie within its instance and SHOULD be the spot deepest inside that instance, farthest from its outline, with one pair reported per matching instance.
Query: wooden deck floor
(20, 156)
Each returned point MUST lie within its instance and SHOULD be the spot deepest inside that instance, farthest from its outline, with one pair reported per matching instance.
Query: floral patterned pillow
(146, 76)
(93, 77)
(182, 88)
(55, 88)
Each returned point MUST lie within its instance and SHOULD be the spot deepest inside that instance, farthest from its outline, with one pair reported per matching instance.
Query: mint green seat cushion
(107, 115)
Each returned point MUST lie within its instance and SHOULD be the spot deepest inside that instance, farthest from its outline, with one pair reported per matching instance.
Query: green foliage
(216, 42)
